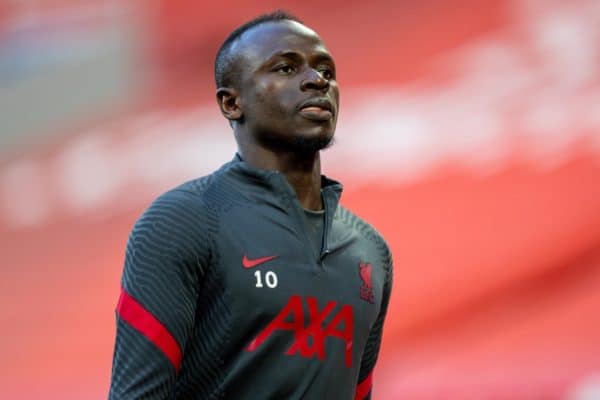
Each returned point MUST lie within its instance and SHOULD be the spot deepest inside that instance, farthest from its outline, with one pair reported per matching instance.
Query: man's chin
(312, 144)
(299, 143)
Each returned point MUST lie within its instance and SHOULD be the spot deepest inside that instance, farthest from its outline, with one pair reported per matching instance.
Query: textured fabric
(224, 266)
(315, 222)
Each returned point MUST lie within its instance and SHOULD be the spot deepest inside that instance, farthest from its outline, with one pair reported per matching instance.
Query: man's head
(276, 85)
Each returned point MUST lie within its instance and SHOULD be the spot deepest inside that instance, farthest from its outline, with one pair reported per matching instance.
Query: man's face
(288, 92)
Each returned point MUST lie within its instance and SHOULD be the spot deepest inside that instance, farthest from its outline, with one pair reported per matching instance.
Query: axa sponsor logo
(310, 330)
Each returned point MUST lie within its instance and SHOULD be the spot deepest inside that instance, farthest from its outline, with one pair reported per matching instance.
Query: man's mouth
(316, 113)
(317, 110)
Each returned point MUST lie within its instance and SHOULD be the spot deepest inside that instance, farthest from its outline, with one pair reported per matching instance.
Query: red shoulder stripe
(141, 319)
(363, 388)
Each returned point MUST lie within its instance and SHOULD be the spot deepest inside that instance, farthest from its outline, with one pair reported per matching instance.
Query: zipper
(298, 219)
(326, 227)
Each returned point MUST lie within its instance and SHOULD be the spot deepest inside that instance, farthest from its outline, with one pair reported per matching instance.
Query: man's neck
(302, 171)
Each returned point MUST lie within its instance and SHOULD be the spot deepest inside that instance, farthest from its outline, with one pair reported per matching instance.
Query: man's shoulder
(192, 189)
(188, 195)
(194, 193)
(361, 227)
(354, 221)
(188, 200)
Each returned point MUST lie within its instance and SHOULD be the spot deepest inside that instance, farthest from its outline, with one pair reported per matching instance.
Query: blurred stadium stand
(469, 136)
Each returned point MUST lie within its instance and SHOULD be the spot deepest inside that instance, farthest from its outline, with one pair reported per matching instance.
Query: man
(253, 282)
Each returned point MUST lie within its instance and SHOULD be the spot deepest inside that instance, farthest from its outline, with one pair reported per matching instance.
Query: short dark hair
(224, 62)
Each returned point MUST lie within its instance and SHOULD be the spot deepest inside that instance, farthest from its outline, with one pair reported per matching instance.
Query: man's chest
(279, 291)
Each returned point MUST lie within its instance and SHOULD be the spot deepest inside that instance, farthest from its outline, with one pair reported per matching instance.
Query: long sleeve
(166, 255)
(371, 352)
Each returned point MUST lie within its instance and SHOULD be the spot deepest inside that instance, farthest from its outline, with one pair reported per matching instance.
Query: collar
(272, 187)
(276, 182)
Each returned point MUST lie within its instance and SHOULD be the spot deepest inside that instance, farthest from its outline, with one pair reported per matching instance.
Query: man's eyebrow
(286, 54)
(319, 56)
(322, 56)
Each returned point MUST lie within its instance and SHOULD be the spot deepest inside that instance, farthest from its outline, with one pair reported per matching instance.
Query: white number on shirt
(270, 279)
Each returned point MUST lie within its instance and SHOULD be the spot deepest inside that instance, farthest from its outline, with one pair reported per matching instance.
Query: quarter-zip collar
(331, 191)
(273, 188)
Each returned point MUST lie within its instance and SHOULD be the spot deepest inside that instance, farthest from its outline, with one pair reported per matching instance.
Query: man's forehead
(276, 36)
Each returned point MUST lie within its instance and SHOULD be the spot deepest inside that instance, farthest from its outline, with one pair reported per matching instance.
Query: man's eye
(326, 73)
(285, 69)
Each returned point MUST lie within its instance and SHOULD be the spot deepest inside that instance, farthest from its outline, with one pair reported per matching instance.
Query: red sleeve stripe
(137, 316)
(363, 389)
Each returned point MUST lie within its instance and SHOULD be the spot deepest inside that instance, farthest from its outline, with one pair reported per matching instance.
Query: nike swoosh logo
(248, 263)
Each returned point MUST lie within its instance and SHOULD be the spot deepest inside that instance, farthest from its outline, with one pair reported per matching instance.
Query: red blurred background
(469, 136)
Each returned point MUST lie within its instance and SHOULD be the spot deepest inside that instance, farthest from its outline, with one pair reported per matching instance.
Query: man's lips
(316, 113)
(317, 110)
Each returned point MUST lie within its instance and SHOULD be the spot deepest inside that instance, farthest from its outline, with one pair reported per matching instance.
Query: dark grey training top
(224, 297)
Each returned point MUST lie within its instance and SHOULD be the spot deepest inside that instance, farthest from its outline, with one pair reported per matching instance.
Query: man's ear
(229, 102)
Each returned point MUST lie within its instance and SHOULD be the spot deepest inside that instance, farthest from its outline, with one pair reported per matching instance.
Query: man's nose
(314, 81)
